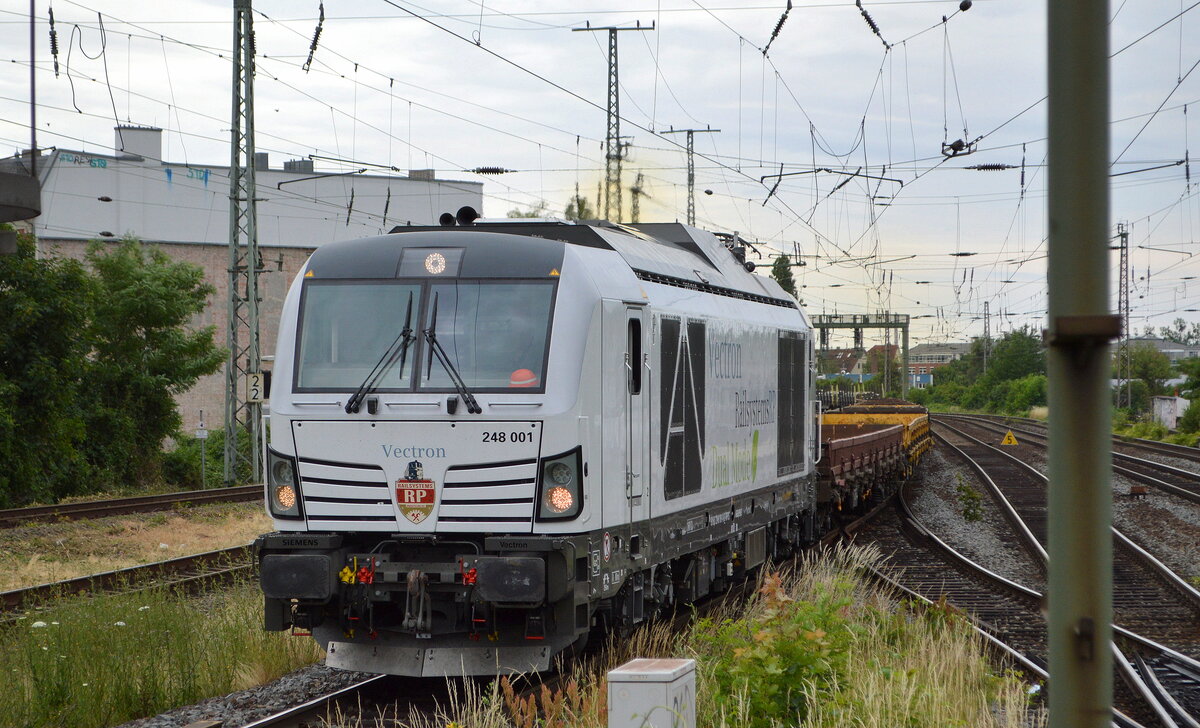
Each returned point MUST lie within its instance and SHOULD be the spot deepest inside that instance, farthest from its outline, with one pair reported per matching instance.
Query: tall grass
(873, 662)
(110, 659)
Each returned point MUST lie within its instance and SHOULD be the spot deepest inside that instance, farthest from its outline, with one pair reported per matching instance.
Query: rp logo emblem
(415, 495)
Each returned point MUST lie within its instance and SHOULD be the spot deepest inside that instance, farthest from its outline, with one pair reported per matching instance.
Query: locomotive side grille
(496, 495)
(340, 494)
(691, 285)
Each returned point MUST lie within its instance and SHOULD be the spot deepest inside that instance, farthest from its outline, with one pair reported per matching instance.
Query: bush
(1190, 421)
(1025, 394)
(781, 655)
(1187, 439)
(181, 467)
(997, 394)
(1147, 431)
(949, 393)
(970, 500)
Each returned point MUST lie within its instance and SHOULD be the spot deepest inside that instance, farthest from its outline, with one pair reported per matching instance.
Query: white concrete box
(652, 693)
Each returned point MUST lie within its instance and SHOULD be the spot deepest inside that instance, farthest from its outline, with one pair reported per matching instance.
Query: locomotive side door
(637, 412)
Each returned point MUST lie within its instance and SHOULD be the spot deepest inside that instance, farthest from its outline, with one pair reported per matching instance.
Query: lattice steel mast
(1123, 363)
(243, 255)
(691, 168)
(987, 333)
(636, 193)
(614, 147)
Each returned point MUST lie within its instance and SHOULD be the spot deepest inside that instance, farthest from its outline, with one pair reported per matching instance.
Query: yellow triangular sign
(554, 271)
(1009, 439)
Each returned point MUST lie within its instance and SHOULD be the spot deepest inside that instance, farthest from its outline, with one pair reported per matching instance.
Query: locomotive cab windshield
(495, 335)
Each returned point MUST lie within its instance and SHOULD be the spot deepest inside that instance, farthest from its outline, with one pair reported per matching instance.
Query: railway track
(1154, 446)
(376, 700)
(192, 573)
(1147, 596)
(1154, 607)
(1010, 615)
(1168, 478)
(137, 504)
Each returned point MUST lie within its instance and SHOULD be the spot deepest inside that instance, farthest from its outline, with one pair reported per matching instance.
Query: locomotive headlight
(435, 263)
(559, 500)
(283, 490)
(561, 492)
(282, 472)
(285, 497)
(561, 474)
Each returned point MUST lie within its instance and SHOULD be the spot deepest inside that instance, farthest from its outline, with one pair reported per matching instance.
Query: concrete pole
(1080, 329)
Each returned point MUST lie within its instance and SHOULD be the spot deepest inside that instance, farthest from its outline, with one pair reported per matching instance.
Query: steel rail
(135, 504)
(315, 711)
(192, 571)
(1162, 448)
(1186, 476)
(1139, 680)
(1164, 715)
(1162, 570)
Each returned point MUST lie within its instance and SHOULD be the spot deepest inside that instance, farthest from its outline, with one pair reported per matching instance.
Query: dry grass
(41, 553)
(1039, 413)
(903, 668)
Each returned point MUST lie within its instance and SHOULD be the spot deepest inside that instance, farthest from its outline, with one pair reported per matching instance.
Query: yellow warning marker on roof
(1009, 439)
(554, 271)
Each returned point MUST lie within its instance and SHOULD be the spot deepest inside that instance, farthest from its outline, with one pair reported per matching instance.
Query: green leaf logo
(754, 457)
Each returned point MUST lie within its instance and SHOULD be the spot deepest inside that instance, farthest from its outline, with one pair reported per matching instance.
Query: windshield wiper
(398, 349)
(435, 348)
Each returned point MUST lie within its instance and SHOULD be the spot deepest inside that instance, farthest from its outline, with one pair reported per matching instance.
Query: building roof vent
(426, 175)
(138, 142)
(298, 165)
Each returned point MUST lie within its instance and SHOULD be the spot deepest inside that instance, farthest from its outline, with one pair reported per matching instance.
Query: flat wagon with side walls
(860, 463)
(912, 417)
(489, 440)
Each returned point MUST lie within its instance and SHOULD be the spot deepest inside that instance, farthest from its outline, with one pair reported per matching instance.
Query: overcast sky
(460, 84)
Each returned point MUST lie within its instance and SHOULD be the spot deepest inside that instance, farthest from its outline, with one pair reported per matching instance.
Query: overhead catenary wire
(852, 191)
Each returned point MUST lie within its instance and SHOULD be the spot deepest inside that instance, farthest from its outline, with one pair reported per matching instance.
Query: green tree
(143, 353)
(964, 370)
(886, 368)
(1190, 368)
(1015, 355)
(538, 210)
(1149, 365)
(579, 209)
(1181, 332)
(781, 271)
(44, 306)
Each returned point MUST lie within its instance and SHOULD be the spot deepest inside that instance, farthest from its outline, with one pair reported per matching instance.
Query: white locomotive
(488, 440)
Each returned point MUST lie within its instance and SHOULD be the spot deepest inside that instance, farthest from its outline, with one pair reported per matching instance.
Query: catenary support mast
(691, 168)
(1124, 367)
(244, 358)
(614, 146)
(1079, 330)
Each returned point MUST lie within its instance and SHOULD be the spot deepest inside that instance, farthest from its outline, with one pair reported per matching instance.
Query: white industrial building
(134, 191)
(184, 209)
